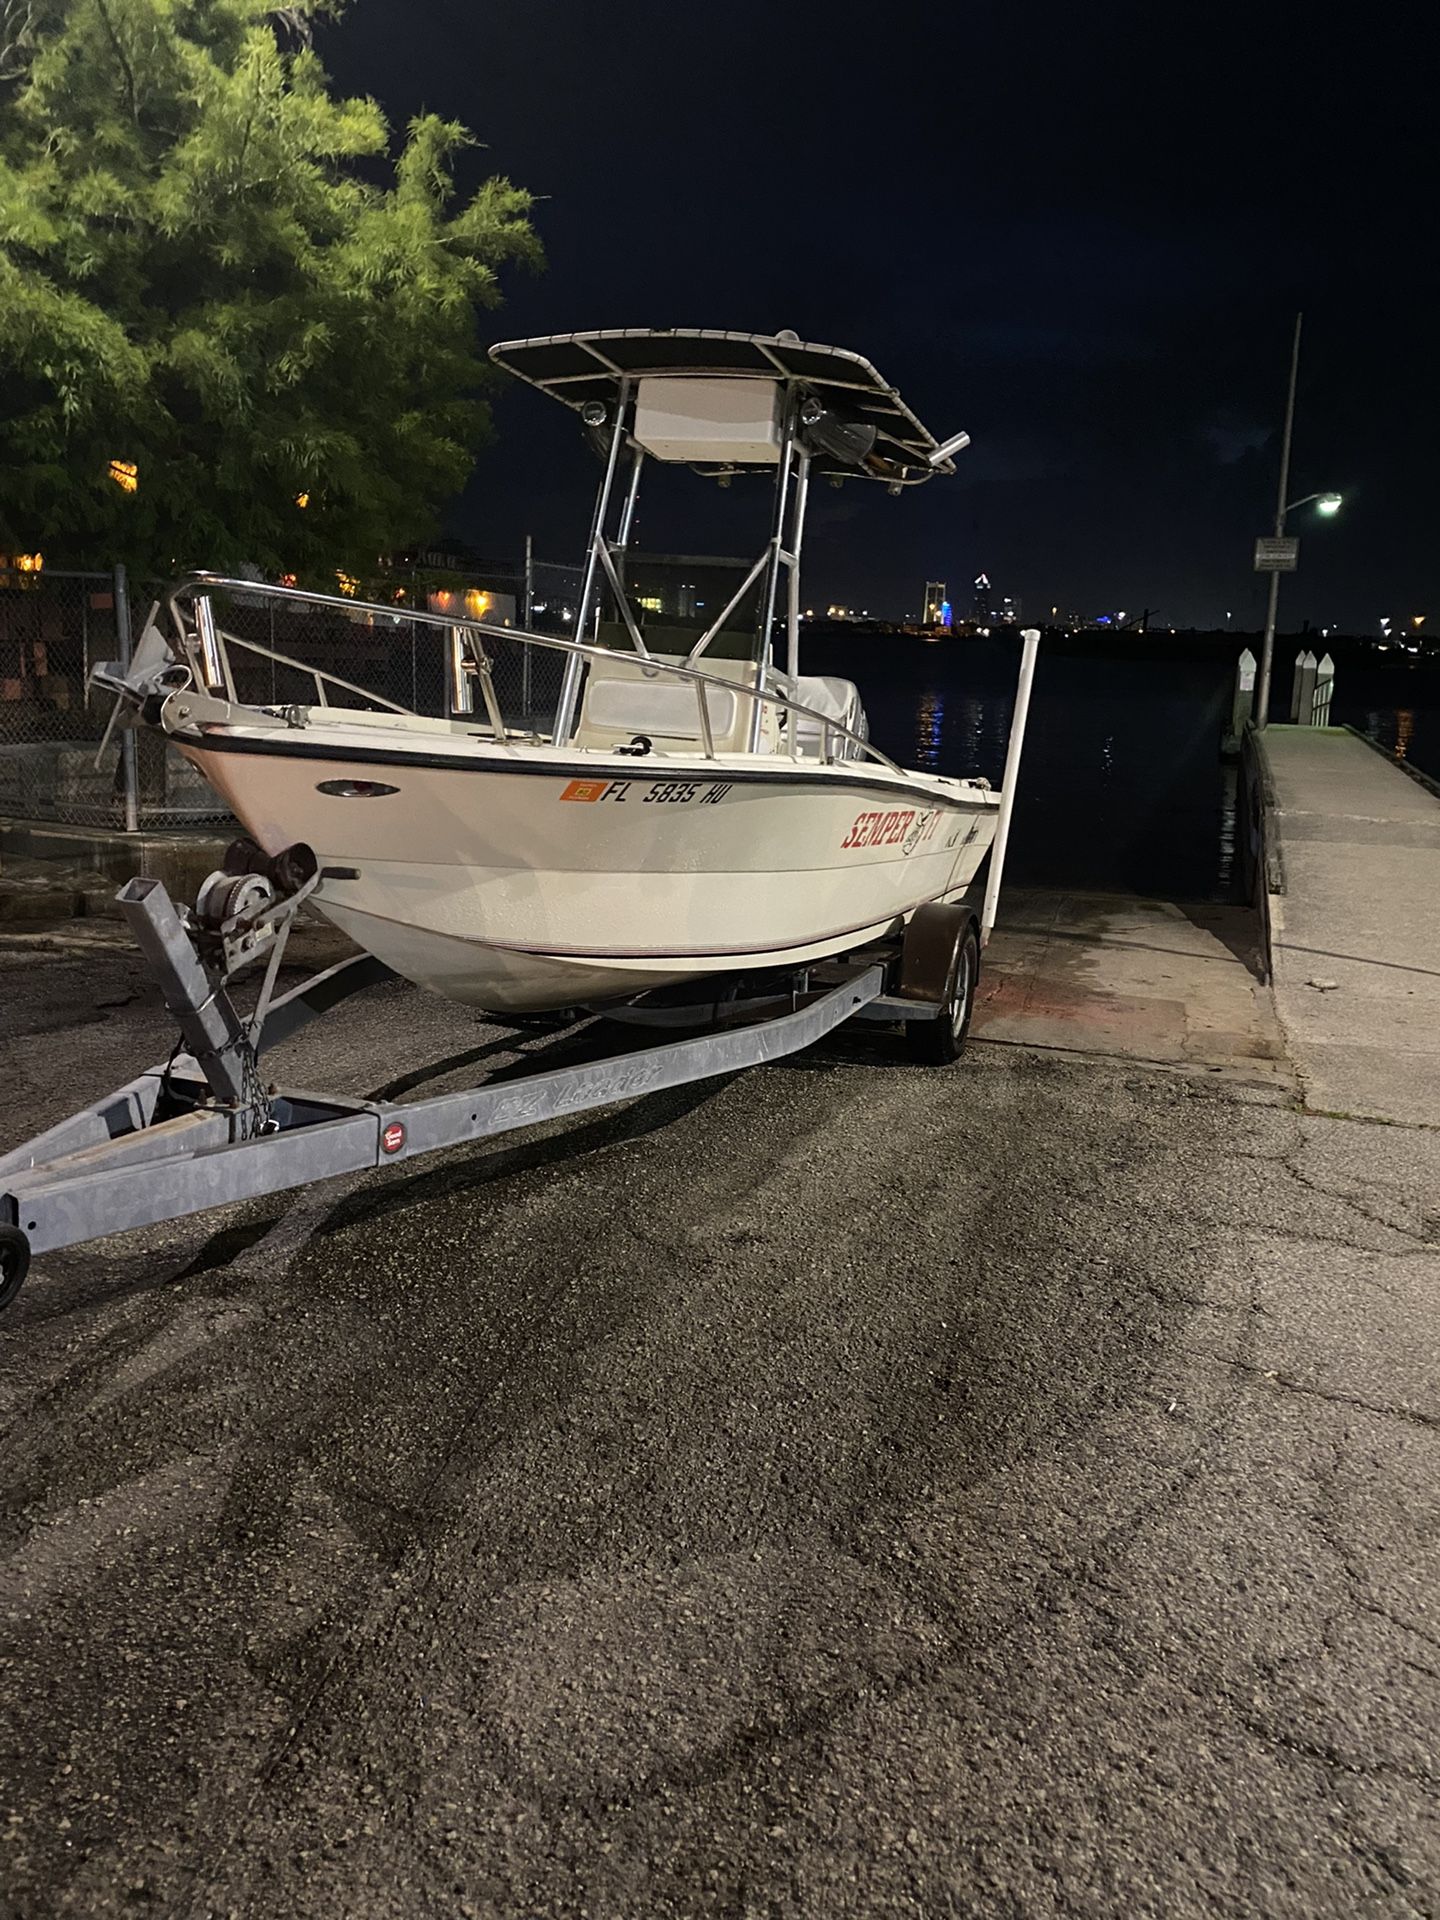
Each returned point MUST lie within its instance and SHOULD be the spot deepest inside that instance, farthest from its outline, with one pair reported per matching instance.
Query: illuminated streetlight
(1278, 559)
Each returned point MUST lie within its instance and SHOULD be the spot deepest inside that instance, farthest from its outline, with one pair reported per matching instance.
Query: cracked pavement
(845, 1489)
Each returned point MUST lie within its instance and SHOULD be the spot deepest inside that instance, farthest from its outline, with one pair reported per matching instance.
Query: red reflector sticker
(393, 1138)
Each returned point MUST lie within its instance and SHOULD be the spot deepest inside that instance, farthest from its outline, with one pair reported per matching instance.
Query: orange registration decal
(585, 790)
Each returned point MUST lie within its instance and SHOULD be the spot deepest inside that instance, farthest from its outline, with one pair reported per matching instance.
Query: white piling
(1305, 688)
(1324, 691)
(1295, 688)
(1243, 703)
(1031, 637)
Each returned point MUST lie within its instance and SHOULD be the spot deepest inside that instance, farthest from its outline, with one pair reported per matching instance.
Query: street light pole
(1267, 651)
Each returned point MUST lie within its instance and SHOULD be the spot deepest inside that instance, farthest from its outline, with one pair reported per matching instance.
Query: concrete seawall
(49, 871)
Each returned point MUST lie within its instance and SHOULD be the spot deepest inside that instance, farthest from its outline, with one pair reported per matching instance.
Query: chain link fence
(53, 628)
(56, 765)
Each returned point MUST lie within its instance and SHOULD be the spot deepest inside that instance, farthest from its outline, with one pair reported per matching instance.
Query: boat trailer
(205, 1129)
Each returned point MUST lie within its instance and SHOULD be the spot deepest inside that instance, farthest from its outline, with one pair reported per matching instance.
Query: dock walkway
(1355, 942)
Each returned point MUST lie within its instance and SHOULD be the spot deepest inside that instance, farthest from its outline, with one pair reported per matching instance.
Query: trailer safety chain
(257, 1110)
(256, 1115)
(166, 1088)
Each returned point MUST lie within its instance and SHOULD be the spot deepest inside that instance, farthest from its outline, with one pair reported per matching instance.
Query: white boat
(691, 808)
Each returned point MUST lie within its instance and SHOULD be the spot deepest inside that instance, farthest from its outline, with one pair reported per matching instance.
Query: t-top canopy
(580, 367)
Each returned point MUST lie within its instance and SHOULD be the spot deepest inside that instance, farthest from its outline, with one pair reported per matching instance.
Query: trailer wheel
(939, 1041)
(14, 1263)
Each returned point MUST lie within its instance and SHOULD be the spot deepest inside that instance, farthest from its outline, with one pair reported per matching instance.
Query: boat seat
(836, 699)
(622, 700)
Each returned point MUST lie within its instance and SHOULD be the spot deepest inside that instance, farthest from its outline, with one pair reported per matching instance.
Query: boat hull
(517, 884)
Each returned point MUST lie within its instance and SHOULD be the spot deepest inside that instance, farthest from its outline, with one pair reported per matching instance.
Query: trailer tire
(14, 1263)
(938, 1042)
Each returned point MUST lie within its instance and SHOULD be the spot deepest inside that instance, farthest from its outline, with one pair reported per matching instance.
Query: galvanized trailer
(205, 1128)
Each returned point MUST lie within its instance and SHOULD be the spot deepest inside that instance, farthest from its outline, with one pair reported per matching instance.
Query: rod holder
(462, 686)
(211, 666)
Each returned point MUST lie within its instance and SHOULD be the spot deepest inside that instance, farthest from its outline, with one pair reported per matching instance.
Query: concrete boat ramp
(1137, 979)
(847, 1489)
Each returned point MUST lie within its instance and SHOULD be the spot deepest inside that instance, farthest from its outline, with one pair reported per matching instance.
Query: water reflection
(984, 726)
(929, 724)
(1122, 787)
(1228, 876)
(1399, 707)
(1392, 728)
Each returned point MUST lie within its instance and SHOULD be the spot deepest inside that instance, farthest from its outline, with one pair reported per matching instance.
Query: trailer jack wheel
(14, 1263)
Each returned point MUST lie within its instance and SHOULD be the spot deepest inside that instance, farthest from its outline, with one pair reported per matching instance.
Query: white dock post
(1243, 703)
(1324, 690)
(1304, 688)
(1302, 659)
(1031, 637)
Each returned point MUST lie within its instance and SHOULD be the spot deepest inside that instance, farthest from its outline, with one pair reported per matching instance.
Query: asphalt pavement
(849, 1488)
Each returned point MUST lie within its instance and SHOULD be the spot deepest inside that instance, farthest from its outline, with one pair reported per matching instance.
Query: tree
(215, 282)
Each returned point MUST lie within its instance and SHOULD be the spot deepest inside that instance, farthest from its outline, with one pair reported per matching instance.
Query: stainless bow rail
(205, 647)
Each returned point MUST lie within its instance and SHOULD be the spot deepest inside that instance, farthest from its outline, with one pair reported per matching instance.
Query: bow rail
(205, 646)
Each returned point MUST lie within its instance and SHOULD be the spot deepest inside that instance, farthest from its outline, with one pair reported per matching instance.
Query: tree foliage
(217, 272)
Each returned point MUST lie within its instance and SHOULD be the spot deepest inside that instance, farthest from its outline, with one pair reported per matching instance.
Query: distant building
(991, 609)
(449, 577)
(936, 605)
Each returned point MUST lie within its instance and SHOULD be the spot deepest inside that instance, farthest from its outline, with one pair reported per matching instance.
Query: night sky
(1081, 233)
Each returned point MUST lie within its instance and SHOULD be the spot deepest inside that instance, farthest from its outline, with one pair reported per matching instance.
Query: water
(1397, 706)
(1121, 788)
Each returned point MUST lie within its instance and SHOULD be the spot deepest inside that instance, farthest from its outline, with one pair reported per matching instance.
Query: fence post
(1324, 690)
(525, 652)
(128, 765)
